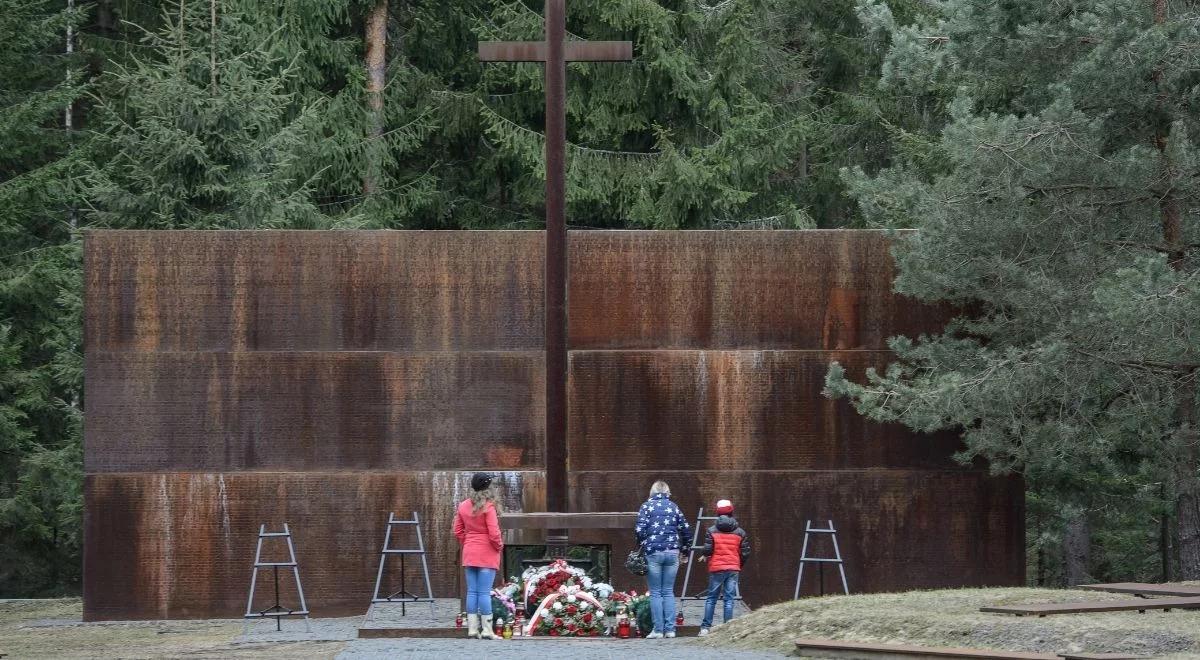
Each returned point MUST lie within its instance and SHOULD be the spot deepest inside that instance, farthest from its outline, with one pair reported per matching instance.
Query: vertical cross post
(555, 52)
(556, 260)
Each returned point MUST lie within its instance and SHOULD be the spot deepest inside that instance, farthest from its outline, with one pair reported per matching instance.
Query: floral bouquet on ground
(640, 606)
(504, 605)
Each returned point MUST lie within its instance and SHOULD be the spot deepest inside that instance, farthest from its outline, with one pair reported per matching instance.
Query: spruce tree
(39, 357)
(1058, 210)
(702, 130)
(201, 130)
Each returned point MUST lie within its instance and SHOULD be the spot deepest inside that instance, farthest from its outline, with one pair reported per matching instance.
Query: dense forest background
(1045, 148)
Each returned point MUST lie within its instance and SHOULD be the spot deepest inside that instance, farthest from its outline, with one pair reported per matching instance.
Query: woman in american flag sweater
(663, 532)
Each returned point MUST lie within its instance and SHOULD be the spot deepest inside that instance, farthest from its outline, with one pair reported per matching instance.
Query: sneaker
(703, 632)
(670, 635)
(654, 635)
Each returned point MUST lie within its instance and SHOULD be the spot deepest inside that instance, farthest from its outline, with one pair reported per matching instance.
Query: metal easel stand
(403, 596)
(276, 611)
(820, 561)
(687, 574)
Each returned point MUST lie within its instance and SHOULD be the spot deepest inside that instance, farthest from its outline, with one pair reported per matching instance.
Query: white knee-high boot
(485, 627)
(473, 626)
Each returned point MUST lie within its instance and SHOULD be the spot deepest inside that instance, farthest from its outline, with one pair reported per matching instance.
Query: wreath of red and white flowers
(541, 582)
(569, 612)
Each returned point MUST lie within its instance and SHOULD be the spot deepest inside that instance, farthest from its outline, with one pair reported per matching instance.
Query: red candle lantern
(679, 620)
(623, 628)
(458, 620)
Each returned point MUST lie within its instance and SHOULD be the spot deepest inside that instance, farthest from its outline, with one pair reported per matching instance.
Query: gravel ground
(419, 615)
(53, 628)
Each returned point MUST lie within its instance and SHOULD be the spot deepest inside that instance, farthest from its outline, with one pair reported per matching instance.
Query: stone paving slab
(444, 610)
(577, 649)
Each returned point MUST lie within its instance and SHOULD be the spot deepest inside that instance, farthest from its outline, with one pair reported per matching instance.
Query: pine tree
(1058, 209)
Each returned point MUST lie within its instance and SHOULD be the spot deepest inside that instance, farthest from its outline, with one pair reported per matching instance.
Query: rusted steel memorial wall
(326, 378)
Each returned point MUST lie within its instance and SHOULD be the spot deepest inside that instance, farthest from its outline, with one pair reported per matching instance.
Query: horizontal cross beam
(536, 51)
(564, 521)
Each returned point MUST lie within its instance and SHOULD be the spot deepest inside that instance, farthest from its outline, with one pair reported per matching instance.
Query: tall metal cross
(555, 52)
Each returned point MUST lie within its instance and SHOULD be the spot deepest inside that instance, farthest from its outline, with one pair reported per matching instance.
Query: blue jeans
(661, 578)
(479, 590)
(720, 582)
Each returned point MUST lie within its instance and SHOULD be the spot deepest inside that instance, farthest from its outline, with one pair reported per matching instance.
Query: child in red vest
(727, 549)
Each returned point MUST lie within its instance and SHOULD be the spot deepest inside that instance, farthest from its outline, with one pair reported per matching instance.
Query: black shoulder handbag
(636, 562)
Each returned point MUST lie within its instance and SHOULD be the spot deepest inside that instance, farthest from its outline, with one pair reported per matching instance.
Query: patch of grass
(951, 617)
(53, 628)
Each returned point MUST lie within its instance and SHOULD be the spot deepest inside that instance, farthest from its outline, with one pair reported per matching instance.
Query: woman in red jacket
(477, 528)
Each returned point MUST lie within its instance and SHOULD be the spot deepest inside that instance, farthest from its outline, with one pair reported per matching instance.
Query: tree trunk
(1187, 462)
(1077, 548)
(212, 45)
(1187, 499)
(1164, 535)
(106, 22)
(376, 63)
(69, 112)
(1039, 525)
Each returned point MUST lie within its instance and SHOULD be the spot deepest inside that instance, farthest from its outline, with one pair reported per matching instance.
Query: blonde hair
(480, 499)
(660, 486)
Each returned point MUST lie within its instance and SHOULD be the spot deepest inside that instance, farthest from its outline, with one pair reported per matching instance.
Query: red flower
(571, 609)
(554, 633)
(595, 633)
(571, 627)
(582, 633)
(587, 618)
(557, 622)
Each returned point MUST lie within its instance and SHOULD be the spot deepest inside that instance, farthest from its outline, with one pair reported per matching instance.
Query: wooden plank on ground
(1101, 656)
(1144, 588)
(835, 648)
(1082, 607)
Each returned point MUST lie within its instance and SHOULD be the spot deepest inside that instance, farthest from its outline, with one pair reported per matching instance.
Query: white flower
(583, 605)
(599, 614)
(557, 606)
(571, 598)
(603, 589)
(587, 582)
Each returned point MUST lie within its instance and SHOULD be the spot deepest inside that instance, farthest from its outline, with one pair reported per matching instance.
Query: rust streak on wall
(217, 411)
(816, 290)
(734, 410)
(898, 529)
(180, 545)
(313, 291)
(324, 378)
